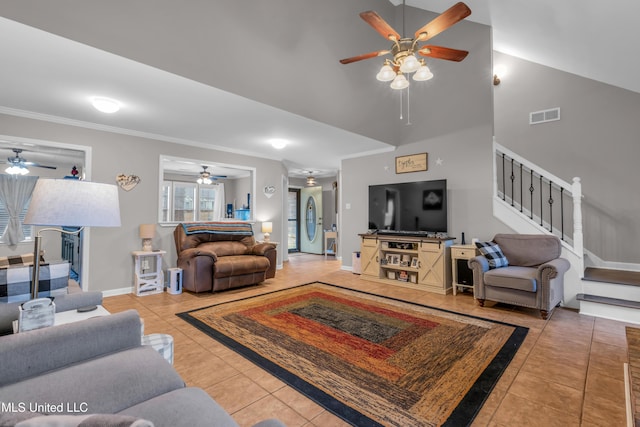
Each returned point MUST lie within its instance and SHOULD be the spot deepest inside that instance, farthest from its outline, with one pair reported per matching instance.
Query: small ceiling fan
(403, 49)
(18, 164)
(206, 177)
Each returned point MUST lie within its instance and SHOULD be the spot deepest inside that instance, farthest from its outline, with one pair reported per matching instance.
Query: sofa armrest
(77, 300)
(55, 347)
(191, 253)
(553, 268)
(478, 265)
(262, 248)
(479, 262)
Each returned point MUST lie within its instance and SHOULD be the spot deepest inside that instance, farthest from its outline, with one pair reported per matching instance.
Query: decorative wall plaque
(411, 163)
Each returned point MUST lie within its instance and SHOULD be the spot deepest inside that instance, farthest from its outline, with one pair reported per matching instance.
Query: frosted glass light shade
(73, 203)
(409, 64)
(386, 73)
(400, 82)
(16, 170)
(423, 73)
(105, 105)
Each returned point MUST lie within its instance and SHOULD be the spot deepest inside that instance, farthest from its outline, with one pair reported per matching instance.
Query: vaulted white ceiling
(49, 77)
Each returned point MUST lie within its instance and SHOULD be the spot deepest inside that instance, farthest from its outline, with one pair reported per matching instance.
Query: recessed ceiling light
(105, 105)
(278, 143)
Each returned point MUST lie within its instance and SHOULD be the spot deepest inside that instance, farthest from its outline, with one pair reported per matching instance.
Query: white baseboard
(120, 291)
(611, 312)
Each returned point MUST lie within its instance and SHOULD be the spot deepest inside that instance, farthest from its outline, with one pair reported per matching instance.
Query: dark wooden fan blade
(443, 53)
(38, 165)
(362, 57)
(380, 25)
(454, 14)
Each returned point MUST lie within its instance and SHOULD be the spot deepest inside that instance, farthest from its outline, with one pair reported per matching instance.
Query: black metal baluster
(521, 204)
(504, 187)
(550, 207)
(512, 177)
(541, 204)
(562, 213)
(531, 190)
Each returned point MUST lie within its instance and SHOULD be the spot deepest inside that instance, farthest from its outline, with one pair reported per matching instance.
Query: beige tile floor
(568, 372)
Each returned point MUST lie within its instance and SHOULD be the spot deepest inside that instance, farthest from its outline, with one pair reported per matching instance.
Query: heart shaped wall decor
(127, 182)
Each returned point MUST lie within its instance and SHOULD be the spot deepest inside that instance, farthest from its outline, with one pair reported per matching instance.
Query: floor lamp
(57, 203)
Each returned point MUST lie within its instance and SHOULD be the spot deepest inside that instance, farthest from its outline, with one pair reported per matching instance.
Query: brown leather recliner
(217, 261)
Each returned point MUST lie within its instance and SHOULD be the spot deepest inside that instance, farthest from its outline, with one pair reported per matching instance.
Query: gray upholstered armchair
(533, 278)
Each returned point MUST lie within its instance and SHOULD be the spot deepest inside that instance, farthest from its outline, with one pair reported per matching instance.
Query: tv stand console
(410, 261)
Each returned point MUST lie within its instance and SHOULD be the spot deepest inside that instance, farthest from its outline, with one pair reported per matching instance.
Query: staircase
(531, 200)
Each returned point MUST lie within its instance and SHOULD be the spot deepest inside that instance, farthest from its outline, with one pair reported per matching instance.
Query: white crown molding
(123, 131)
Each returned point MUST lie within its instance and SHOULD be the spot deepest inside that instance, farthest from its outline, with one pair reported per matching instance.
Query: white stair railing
(547, 202)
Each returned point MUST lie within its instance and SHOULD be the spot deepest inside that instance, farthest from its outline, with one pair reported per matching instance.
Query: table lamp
(267, 228)
(69, 203)
(147, 231)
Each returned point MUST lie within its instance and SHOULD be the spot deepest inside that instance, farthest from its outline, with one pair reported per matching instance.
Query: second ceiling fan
(403, 49)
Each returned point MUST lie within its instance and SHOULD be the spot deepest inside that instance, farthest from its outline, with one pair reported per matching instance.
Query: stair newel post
(576, 191)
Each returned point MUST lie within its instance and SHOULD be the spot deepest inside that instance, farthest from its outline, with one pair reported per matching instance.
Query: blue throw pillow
(493, 254)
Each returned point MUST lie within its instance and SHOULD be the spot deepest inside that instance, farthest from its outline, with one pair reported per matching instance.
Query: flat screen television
(409, 207)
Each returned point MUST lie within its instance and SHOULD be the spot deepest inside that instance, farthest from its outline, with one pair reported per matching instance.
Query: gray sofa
(98, 366)
(533, 278)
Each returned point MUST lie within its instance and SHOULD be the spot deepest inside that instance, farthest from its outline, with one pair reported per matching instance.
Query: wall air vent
(544, 116)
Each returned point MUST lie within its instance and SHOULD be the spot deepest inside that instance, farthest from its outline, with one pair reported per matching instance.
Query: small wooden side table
(462, 253)
(148, 276)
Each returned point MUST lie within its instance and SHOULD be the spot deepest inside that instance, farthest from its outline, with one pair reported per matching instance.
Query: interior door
(311, 216)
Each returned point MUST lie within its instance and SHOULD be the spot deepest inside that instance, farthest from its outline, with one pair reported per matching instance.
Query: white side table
(148, 276)
(333, 237)
(71, 316)
(461, 252)
(162, 343)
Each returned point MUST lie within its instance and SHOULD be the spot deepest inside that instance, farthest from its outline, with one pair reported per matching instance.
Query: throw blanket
(237, 228)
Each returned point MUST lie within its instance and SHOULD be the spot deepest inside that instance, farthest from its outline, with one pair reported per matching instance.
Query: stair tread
(608, 300)
(609, 275)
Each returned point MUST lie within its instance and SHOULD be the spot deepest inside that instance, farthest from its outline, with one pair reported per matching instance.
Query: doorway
(293, 222)
(310, 213)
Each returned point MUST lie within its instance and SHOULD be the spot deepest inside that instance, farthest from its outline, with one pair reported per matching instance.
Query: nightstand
(462, 276)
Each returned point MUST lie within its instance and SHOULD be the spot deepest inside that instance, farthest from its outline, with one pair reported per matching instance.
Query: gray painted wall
(597, 139)
(452, 120)
(110, 261)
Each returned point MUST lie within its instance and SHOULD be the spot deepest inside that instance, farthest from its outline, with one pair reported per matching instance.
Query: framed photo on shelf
(414, 262)
(391, 275)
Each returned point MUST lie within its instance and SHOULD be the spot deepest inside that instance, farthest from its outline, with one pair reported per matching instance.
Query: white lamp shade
(147, 231)
(73, 203)
(267, 227)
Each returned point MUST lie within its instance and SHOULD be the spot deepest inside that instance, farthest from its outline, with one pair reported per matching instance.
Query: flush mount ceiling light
(278, 143)
(404, 49)
(105, 105)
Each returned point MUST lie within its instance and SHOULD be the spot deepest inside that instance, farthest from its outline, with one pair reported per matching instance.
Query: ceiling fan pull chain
(408, 107)
(401, 105)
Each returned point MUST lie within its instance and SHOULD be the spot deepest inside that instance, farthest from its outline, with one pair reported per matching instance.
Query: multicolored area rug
(370, 360)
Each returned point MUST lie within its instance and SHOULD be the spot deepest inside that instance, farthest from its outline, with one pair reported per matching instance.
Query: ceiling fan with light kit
(206, 177)
(404, 49)
(18, 165)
